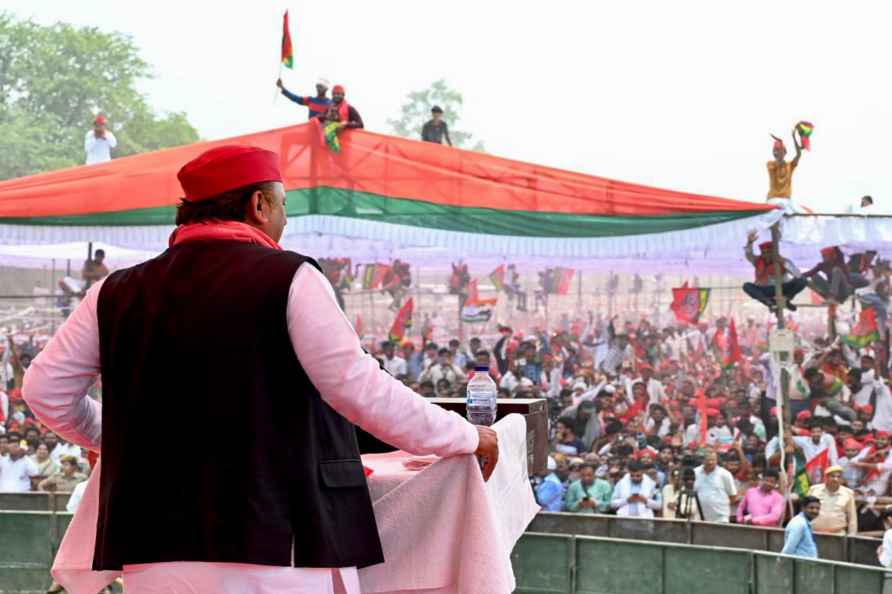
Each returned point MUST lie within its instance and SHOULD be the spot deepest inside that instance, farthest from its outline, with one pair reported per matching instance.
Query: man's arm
(743, 507)
(793, 538)
(89, 141)
(112, 141)
(748, 250)
(56, 383)
(852, 515)
(798, 146)
(354, 119)
(352, 383)
(604, 495)
(288, 94)
(446, 134)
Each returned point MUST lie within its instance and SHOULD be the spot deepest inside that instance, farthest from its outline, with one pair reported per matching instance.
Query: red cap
(100, 120)
(803, 416)
(828, 251)
(765, 245)
(338, 89)
(226, 168)
(883, 434)
(851, 444)
(712, 412)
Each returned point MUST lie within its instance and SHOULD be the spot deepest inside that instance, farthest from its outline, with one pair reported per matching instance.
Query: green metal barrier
(831, 547)
(543, 563)
(551, 564)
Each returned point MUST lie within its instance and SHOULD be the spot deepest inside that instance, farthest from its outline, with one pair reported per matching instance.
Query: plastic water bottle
(482, 394)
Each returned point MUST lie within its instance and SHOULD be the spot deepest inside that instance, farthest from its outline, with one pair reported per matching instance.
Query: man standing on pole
(255, 339)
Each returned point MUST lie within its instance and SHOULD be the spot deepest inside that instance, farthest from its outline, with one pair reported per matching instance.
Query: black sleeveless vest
(215, 445)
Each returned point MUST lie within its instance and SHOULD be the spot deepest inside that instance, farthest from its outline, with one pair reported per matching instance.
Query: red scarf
(214, 230)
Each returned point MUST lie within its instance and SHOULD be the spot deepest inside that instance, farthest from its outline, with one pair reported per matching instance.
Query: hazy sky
(676, 94)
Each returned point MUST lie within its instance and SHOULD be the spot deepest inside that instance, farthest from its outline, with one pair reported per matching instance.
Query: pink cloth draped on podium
(444, 531)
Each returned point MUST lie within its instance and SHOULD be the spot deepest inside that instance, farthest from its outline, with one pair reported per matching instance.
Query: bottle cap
(481, 368)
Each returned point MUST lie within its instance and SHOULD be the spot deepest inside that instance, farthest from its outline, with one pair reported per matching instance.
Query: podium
(535, 410)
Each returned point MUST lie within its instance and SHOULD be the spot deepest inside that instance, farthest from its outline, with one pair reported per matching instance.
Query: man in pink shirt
(762, 505)
(255, 338)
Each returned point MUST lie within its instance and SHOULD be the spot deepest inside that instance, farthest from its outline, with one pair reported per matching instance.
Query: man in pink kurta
(269, 346)
(762, 505)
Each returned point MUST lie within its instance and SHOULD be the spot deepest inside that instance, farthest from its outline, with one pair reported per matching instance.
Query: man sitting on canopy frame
(765, 265)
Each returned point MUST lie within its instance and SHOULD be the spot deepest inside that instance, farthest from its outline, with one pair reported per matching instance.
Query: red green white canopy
(383, 197)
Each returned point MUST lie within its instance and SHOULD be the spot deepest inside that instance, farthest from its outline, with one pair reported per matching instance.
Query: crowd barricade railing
(567, 564)
(34, 501)
(851, 549)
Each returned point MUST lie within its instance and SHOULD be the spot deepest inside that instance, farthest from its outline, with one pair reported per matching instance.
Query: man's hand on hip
(487, 450)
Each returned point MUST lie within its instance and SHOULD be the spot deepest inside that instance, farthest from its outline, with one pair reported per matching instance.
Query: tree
(55, 79)
(417, 110)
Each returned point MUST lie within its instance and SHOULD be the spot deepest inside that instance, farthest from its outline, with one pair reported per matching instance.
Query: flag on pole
(734, 354)
(497, 277)
(475, 309)
(287, 48)
(865, 331)
(688, 303)
(402, 321)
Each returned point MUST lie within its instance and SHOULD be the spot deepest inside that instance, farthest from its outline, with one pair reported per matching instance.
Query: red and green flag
(865, 331)
(287, 48)
(689, 303)
(402, 321)
(805, 129)
(497, 277)
(373, 275)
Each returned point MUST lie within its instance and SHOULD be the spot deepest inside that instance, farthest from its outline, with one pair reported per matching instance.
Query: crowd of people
(677, 421)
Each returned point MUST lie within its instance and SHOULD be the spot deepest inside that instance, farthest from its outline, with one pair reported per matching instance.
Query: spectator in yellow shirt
(838, 514)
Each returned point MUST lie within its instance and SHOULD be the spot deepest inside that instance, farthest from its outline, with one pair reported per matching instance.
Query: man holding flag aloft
(258, 341)
(317, 105)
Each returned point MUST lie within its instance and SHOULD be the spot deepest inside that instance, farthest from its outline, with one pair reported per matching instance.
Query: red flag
(734, 354)
(358, 326)
(403, 320)
(474, 299)
(287, 48)
(373, 275)
(816, 466)
(688, 303)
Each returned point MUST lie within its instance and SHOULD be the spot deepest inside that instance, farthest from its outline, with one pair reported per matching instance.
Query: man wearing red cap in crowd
(876, 462)
(763, 289)
(256, 339)
(341, 111)
(99, 142)
(831, 277)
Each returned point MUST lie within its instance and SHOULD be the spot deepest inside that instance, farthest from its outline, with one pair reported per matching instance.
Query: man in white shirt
(715, 489)
(811, 446)
(443, 369)
(655, 391)
(393, 363)
(16, 469)
(99, 142)
(636, 495)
